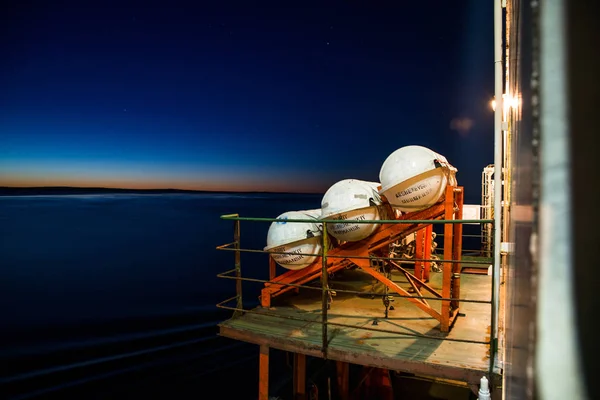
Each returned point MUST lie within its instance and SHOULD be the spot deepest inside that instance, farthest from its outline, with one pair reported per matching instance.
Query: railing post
(447, 265)
(457, 232)
(238, 267)
(324, 288)
(427, 252)
(493, 340)
(420, 253)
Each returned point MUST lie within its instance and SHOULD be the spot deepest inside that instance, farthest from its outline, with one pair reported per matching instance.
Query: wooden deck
(456, 360)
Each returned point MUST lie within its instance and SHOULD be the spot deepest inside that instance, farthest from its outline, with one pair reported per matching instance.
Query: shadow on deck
(409, 340)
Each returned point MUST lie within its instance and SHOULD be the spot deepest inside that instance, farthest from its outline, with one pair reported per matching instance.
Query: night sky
(267, 96)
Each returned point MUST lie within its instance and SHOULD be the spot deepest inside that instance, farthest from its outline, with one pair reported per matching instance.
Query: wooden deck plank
(445, 359)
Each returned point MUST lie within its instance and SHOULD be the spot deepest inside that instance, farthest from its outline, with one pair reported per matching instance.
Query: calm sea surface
(92, 271)
(67, 259)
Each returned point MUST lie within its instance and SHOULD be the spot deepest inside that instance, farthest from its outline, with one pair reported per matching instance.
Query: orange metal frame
(377, 245)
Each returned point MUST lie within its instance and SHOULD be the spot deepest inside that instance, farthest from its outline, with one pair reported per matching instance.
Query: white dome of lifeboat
(299, 239)
(414, 178)
(351, 200)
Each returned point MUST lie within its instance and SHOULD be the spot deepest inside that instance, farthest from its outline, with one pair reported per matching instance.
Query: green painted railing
(236, 274)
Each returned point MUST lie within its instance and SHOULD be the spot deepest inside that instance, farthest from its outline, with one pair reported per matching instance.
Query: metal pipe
(364, 221)
(464, 235)
(497, 168)
(238, 264)
(325, 289)
(514, 103)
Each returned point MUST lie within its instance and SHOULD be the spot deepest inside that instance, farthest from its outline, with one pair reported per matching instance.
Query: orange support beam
(263, 373)
(382, 385)
(272, 269)
(343, 380)
(423, 252)
(344, 255)
(299, 376)
(365, 265)
(427, 252)
(448, 251)
(383, 237)
(375, 384)
(310, 273)
(457, 248)
(419, 253)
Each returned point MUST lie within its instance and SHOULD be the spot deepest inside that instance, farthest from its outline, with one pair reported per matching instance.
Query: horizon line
(148, 189)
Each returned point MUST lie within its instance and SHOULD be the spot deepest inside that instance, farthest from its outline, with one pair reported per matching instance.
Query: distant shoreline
(67, 190)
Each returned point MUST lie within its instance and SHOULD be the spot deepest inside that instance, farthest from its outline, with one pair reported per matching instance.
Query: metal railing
(236, 274)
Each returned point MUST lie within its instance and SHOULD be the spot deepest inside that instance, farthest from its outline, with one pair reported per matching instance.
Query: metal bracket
(330, 294)
(387, 300)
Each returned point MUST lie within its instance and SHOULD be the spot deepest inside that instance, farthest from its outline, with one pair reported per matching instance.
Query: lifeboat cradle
(375, 256)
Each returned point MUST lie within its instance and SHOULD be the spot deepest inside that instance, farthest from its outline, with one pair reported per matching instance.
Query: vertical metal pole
(507, 137)
(427, 252)
(420, 253)
(324, 289)
(457, 248)
(497, 173)
(263, 373)
(447, 265)
(299, 380)
(272, 268)
(238, 266)
(343, 378)
(484, 214)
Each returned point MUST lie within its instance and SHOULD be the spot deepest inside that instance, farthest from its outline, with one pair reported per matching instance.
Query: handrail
(236, 217)
(324, 287)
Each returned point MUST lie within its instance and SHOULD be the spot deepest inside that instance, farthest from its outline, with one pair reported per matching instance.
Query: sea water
(89, 277)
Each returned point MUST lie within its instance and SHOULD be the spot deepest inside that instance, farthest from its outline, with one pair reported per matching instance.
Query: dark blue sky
(240, 95)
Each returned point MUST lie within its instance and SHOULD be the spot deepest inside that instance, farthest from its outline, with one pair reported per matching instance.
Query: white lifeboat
(299, 239)
(351, 200)
(414, 178)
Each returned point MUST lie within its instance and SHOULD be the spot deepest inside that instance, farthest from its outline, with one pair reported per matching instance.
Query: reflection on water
(103, 282)
(90, 257)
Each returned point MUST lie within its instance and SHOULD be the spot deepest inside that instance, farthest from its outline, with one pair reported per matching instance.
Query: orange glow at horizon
(124, 183)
